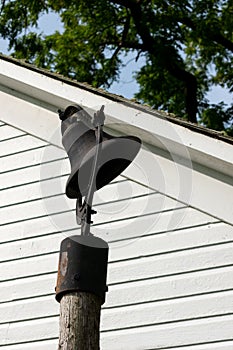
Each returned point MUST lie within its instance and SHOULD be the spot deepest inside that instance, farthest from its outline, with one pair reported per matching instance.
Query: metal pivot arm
(84, 209)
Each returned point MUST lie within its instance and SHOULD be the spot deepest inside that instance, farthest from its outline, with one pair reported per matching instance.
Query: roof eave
(156, 128)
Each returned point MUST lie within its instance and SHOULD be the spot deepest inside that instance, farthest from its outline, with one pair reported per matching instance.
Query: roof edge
(117, 98)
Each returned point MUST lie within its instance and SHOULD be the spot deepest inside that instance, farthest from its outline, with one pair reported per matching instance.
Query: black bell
(79, 141)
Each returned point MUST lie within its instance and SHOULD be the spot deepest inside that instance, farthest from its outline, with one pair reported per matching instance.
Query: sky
(126, 86)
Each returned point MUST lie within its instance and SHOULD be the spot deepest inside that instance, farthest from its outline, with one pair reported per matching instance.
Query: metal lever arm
(84, 210)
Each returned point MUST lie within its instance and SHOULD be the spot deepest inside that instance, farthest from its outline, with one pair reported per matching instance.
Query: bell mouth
(115, 156)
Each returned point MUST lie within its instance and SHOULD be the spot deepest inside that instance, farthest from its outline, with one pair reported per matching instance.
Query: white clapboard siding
(166, 221)
(170, 266)
(143, 268)
(198, 331)
(159, 266)
(58, 204)
(44, 329)
(161, 288)
(114, 211)
(30, 210)
(183, 239)
(28, 287)
(157, 312)
(51, 244)
(173, 263)
(29, 267)
(30, 192)
(137, 227)
(162, 312)
(170, 335)
(43, 154)
(38, 226)
(147, 290)
(8, 132)
(28, 309)
(56, 186)
(40, 345)
(19, 144)
(52, 344)
(39, 172)
(218, 345)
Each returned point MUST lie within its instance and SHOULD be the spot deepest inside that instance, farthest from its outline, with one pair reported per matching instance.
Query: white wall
(170, 268)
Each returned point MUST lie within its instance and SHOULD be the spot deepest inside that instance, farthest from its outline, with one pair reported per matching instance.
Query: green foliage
(183, 42)
(218, 117)
(160, 90)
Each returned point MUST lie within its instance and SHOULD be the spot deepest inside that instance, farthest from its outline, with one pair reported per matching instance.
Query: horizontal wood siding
(170, 266)
(8, 133)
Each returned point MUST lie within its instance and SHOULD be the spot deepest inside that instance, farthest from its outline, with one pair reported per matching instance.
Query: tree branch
(115, 53)
(218, 38)
(124, 35)
(2, 6)
(126, 29)
(150, 44)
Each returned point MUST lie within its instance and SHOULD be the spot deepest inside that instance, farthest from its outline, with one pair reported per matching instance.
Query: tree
(187, 46)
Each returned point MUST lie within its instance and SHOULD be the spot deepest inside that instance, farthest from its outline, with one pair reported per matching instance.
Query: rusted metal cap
(82, 266)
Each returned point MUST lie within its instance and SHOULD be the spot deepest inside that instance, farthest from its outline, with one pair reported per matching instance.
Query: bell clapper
(84, 210)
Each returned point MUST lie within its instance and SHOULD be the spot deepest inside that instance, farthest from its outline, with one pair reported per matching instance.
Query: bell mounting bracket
(84, 207)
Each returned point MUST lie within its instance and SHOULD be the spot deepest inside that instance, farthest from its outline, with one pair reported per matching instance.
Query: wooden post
(79, 321)
(80, 290)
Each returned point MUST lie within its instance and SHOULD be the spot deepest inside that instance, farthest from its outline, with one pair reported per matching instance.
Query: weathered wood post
(79, 321)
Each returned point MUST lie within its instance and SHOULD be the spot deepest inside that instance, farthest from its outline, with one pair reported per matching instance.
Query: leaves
(180, 39)
(214, 116)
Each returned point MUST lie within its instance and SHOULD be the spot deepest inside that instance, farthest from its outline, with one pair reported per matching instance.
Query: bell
(79, 141)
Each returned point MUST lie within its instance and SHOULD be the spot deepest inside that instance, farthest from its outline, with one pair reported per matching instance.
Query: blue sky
(126, 86)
